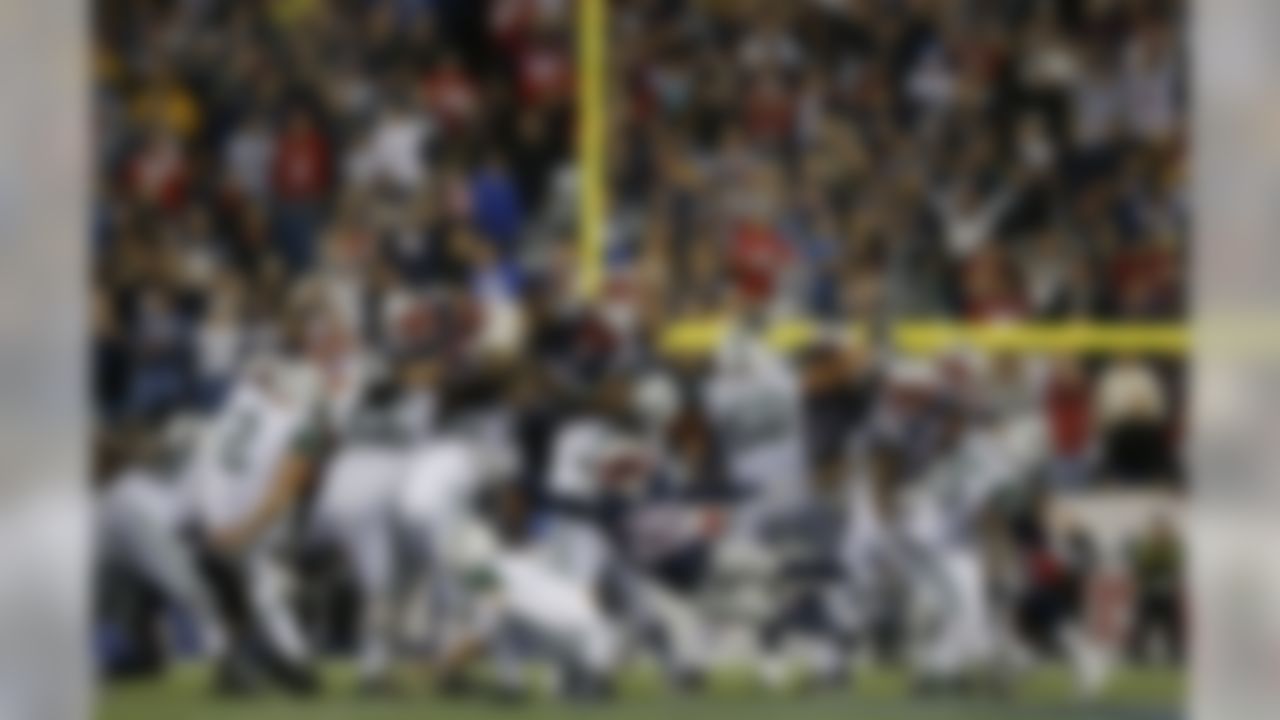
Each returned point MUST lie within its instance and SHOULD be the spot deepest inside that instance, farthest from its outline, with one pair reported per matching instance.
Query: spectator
(159, 379)
(496, 204)
(451, 95)
(398, 147)
(220, 344)
(992, 155)
(110, 357)
(1158, 570)
(160, 173)
(849, 160)
(301, 177)
(1069, 409)
(248, 156)
(1133, 414)
(365, 149)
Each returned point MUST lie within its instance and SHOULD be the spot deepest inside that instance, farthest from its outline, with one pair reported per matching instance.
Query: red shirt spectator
(757, 257)
(160, 173)
(302, 168)
(451, 94)
(1145, 277)
(545, 74)
(1068, 404)
(770, 109)
(511, 21)
(989, 296)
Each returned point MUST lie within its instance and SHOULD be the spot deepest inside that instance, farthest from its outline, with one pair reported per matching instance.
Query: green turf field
(1133, 695)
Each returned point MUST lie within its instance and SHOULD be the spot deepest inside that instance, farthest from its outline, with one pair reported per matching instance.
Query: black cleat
(689, 682)
(295, 679)
(590, 689)
(456, 686)
(235, 677)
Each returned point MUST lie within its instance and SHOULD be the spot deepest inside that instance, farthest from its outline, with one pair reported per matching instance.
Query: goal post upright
(591, 67)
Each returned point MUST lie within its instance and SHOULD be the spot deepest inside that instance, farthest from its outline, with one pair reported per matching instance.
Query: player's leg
(370, 550)
(355, 511)
(512, 651)
(957, 634)
(834, 634)
(169, 562)
(269, 594)
(935, 651)
(435, 598)
(973, 628)
(861, 598)
(772, 618)
(741, 597)
(682, 629)
(592, 650)
(141, 526)
(126, 639)
(566, 611)
(238, 671)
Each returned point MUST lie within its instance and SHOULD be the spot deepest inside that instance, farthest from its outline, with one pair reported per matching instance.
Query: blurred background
(986, 162)
(990, 162)
(410, 166)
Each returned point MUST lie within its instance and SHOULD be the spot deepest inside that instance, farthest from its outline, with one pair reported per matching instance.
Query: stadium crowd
(395, 179)
(984, 160)
(376, 150)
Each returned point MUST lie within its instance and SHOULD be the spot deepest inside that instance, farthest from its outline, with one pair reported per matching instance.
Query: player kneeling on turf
(516, 591)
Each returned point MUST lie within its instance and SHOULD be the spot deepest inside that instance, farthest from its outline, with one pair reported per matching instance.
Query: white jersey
(576, 459)
(535, 592)
(1023, 441)
(939, 527)
(364, 478)
(588, 453)
(236, 461)
(527, 587)
(444, 481)
(958, 484)
(138, 492)
(758, 417)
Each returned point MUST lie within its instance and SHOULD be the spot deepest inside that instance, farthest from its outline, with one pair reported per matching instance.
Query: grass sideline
(1135, 694)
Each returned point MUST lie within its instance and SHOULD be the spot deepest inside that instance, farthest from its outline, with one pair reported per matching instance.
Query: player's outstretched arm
(291, 478)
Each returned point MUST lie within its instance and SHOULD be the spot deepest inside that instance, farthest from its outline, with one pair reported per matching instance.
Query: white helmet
(293, 382)
(656, 399)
